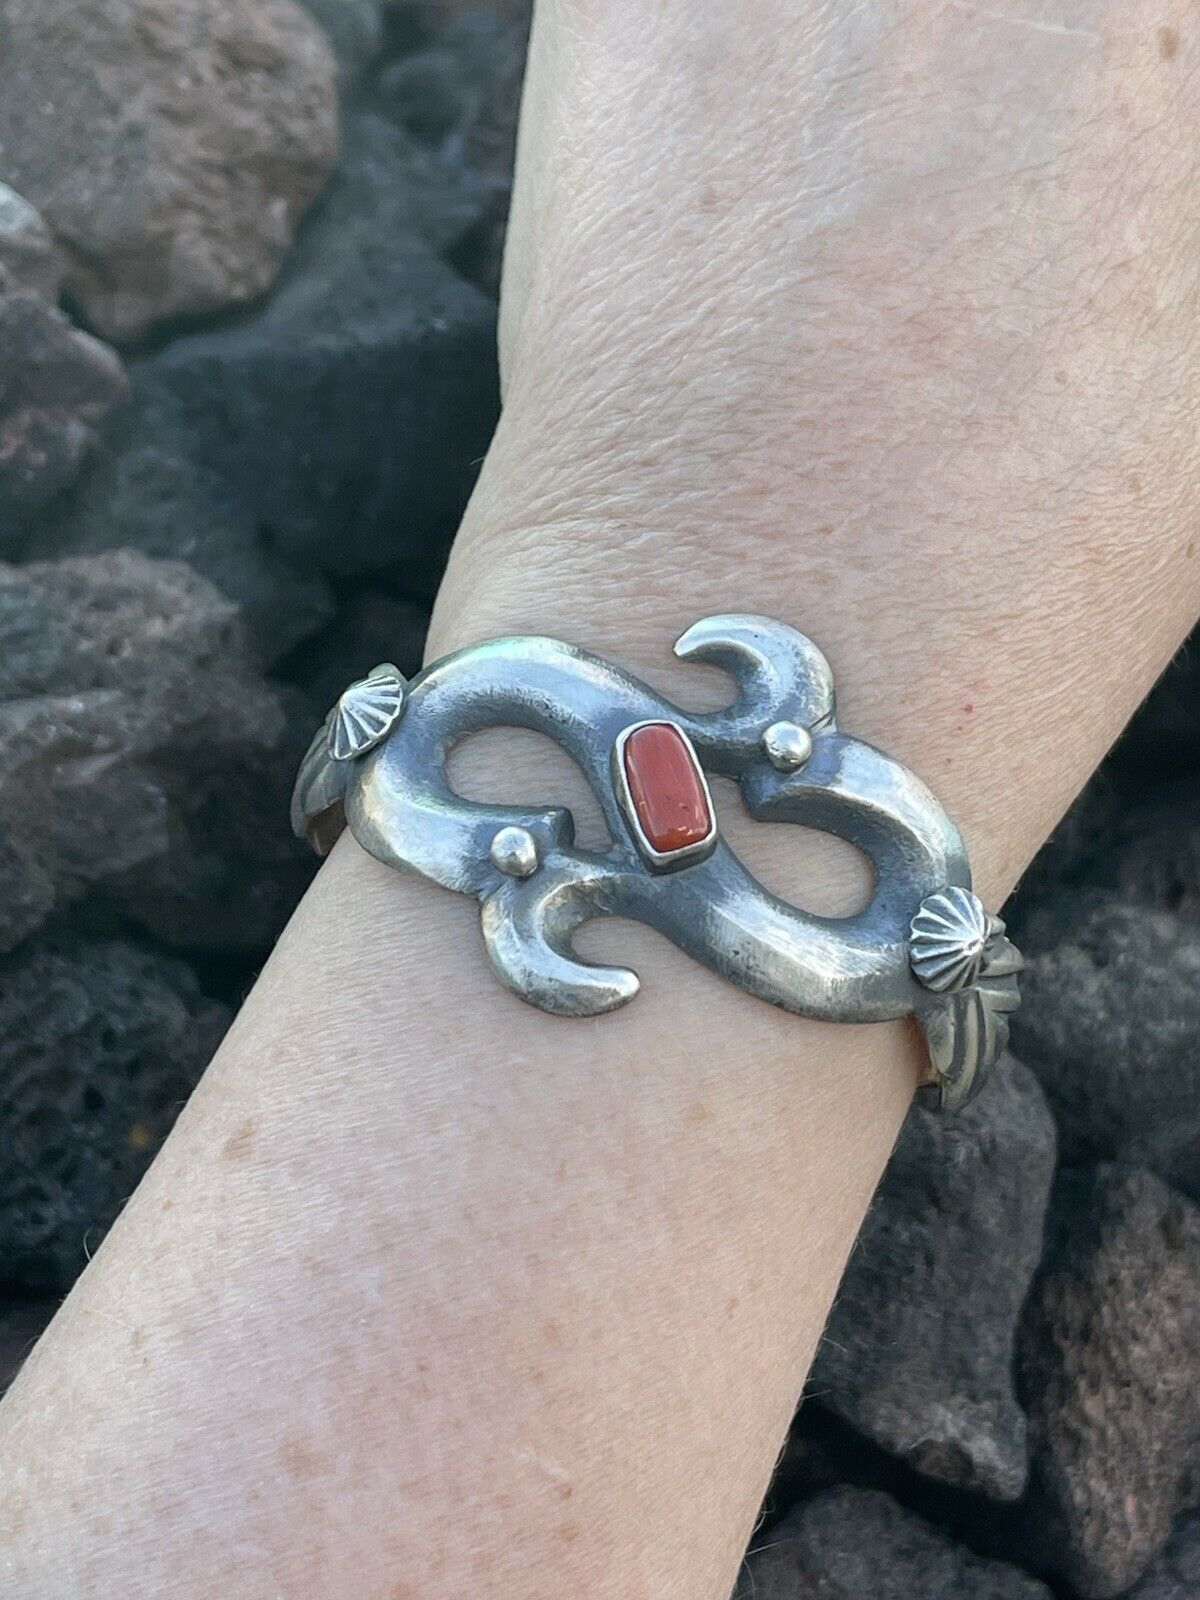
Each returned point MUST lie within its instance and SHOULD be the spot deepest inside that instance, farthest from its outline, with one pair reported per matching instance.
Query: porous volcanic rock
(1176, 1573)
(118, 676)
(354, 29)
(1110, 1021)
(171, 145)
(858, 1544)
(27, 894)
(1070, 854)
(22, 1321)
(145, 490)
(231, 872)
(1163, 738)
(351, 412)
(371, 627)
(460, 94)
(1109, 1368)
(391, 191)
(100, 1044)
(57, 385)
(918, 1351)
(1152, 855)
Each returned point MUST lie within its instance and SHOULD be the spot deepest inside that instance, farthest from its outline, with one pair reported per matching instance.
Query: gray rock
(27, 894)
(1152, 854)
(371, 627)
(1110, 1021)
(1069, 856)
(152, 632)
(145, 491)
(21, 1325)
(100, 1044)
(1163, 739)
(171, 145)
(29, 257)
(57, 385)
(391, 191)
(231, 872)
(1176, 1573)
(351, 413)
(917, 1355)
(460, 94)
(118, 677)
(850, 1544)
(354, 29)
(1109, 1367)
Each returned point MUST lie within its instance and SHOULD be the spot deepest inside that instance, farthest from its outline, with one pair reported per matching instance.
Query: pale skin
(878, 318)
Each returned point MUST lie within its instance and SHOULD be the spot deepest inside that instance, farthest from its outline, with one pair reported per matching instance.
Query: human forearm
(430, 1294)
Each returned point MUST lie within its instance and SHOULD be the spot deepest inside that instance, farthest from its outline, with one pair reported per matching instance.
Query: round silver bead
(787, 746)
(515, 852)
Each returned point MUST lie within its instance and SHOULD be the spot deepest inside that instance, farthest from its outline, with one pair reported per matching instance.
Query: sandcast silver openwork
(925, 945)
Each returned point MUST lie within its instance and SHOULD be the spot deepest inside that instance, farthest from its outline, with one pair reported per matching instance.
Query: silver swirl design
(398, 803)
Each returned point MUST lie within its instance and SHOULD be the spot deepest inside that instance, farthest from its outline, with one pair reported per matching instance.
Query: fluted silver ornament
(948, 938)
(366, 713)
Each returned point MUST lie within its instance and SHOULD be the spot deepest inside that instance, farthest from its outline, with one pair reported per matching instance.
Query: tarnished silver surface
(924, 946)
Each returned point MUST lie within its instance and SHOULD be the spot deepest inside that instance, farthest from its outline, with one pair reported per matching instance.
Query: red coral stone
(666, 788)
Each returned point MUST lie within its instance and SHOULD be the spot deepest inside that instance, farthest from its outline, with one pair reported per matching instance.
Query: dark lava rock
(1109, 1368)
(858, 1544)
(461, 94)
(370, 628)
(21, 1325)
(1070, 855)
(232, 872)
(100, 1044)
(1163, 739)
(1110, 1021)
(57, 385)
(390, 191)
(121, 680)
(354, 29)
(1152, 856)
(917, 1354)
(145, 490)
(171, 145)
(27, 894)
(350, 414)
(1176, 1573)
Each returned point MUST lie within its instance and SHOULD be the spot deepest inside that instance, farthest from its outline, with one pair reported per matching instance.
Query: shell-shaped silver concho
(366, 713)
(948, 938)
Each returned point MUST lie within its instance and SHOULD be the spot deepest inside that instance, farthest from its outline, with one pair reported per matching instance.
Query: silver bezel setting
(662, 860)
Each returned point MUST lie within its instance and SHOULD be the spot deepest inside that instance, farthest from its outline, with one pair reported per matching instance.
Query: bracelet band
(924, 946)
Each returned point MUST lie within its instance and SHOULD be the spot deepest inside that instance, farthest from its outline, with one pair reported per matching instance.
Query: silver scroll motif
(924, 946)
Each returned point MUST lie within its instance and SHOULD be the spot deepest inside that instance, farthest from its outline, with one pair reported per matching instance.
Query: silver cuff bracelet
(925, 946)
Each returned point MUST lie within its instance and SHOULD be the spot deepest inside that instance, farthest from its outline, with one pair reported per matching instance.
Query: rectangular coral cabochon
(666, 788)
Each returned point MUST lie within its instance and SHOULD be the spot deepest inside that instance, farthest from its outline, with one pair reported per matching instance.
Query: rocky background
(249, 257)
